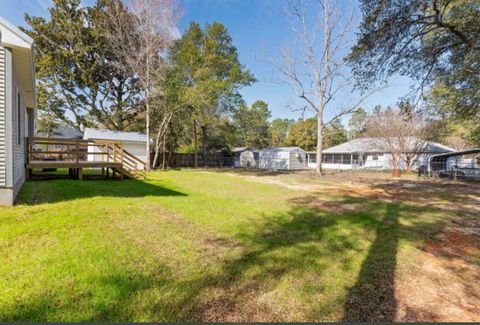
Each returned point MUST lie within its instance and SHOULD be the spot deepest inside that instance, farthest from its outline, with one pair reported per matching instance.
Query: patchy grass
(220, 246)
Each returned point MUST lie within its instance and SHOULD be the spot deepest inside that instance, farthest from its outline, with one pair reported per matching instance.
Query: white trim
(17, 32)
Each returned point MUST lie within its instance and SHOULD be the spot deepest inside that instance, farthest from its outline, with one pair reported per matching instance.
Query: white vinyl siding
(3, 147)
(18, 114)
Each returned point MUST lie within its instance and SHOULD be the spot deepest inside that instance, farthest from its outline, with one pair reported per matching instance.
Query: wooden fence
(188, 160)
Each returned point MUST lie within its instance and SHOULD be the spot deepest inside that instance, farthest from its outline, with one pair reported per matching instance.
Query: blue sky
(258, 29)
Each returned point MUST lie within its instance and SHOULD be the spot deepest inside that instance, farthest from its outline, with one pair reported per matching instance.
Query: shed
(249, 159)
(282, 158)
(236, 153)
(133, 142)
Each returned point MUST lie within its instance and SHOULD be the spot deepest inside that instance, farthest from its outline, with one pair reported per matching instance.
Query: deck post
(78, 151)
(113, 173)
(80, 173)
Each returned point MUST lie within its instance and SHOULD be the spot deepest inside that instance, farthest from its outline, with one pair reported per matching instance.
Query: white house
(370, 153)
(282, 158)
(17, 107)
(133, 142)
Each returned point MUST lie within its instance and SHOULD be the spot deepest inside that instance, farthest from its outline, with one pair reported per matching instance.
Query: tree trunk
(195, 163)
(147, 127)
(204, 145)
(408, 162)
(157, 148)
(155, 157)
(318, 168)
(163, 151)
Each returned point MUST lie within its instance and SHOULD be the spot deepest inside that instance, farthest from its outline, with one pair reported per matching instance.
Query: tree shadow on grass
(41, 192)
(372, 298)
(309, 238)
(295, 244)
(313, 234)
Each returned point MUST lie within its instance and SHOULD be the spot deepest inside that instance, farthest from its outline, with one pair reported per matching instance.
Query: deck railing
(44, 149)
(82, 151)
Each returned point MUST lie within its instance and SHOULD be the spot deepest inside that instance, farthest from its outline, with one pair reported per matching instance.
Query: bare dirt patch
(444, 285)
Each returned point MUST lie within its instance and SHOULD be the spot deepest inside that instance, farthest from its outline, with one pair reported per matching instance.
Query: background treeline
(124, 66)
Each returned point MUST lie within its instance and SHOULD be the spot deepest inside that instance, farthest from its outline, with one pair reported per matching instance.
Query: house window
(374, 157)
(328, 158)
(347, 159)
(19, 120)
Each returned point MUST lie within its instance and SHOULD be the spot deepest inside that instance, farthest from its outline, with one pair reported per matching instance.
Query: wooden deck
(73, 164)
(76, 155)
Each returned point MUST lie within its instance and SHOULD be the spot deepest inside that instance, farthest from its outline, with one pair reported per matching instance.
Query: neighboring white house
(370, 153)
(133, 142)
(282, 158)
(17, 107)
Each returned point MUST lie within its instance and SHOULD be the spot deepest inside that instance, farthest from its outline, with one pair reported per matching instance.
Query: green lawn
(202, 245)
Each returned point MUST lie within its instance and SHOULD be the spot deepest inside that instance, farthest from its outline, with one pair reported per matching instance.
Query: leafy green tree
(335, 134)
(432, 41)
(78, 82)
(209, 74)
(444, 101)
(303, 134)
(357, 125)
(222, 135)
(47, 123)
(252, 125)
(279, 131)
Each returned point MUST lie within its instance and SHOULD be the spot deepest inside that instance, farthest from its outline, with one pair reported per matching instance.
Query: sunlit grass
(195, 245)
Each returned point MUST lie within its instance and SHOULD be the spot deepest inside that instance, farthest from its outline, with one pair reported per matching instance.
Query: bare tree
(401, 134)
(163, 113)
(143, 34)
(313, 63)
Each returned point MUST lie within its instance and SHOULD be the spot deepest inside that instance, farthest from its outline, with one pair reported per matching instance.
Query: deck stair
(132, 167)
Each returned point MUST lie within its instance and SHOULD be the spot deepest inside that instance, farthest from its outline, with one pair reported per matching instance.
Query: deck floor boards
(73, 164)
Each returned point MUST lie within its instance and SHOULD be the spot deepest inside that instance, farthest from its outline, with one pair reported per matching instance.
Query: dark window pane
(347, 159)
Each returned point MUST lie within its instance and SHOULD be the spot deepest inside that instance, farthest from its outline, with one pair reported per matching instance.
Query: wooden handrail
(65, 141)
(77, 150)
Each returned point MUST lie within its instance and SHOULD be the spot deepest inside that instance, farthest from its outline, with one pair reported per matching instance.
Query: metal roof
(379, 145)
(102, 134)
(455, 154)
(63, 132)
(283, 149)
(239, 149)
